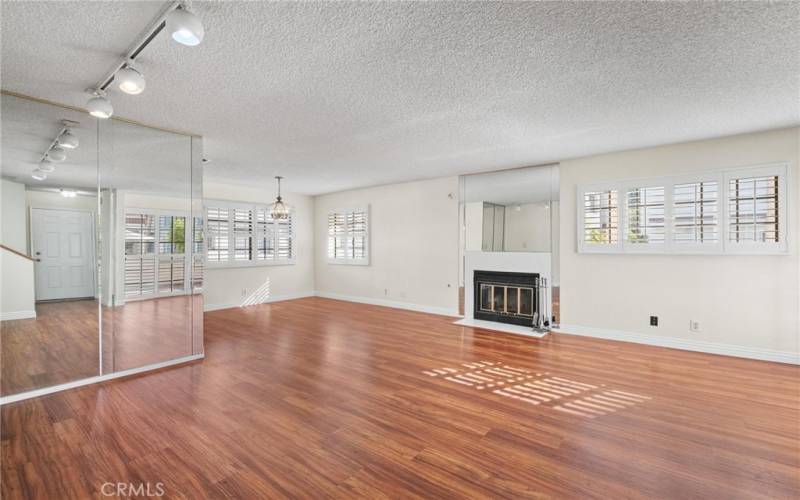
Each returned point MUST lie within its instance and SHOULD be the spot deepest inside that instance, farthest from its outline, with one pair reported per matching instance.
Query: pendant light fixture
(130, 80)
(99, 106)
(279, 210)
(185, 27)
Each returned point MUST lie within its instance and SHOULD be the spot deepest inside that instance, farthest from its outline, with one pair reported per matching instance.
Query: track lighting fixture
(185, 27)
(99, 106)
(131, 80)
(68, 140)
(39, 175)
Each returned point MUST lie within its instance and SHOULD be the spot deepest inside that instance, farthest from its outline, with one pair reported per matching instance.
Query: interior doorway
(62, 245)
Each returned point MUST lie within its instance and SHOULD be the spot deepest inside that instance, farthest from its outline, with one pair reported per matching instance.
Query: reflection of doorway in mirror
(63, 248)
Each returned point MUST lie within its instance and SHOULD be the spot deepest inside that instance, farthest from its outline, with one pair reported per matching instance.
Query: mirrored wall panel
(102, 246)
(48, 306)
(510, 224)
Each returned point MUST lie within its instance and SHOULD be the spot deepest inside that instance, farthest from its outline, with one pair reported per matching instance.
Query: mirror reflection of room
(149, 239)
(49, 210)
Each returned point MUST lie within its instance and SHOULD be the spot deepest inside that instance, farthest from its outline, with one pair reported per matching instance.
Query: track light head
(68, 140)
(99, 106)
(185, 27)
(46, 167)
(131, 81)
(57, 154)
(39, 175)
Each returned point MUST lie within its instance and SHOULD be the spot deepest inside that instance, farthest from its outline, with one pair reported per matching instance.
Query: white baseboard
(94, 380)
(276, 298)
(686, 344)
(441, 311)
(17, 315)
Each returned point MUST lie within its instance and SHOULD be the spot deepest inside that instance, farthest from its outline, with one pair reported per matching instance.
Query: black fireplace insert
(506, 297)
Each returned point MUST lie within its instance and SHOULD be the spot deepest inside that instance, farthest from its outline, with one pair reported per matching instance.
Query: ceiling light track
(56, 152)
(184, 27)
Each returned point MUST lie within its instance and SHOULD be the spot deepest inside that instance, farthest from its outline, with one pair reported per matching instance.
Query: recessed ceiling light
(99, 106)
(68, 140)
(131, 81)
(185, 27)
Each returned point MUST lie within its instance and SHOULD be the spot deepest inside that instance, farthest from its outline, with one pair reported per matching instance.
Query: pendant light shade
(100, 107)
(185, 27)
(57, 154)
(68, 140)
(279, 210)
(39, 175)
(130, 80)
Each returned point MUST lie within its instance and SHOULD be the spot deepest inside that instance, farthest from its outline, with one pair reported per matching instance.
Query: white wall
(230, 287)
(14, 215)
(413, 246)
(16, 287)
(527, 227)
(749, 302)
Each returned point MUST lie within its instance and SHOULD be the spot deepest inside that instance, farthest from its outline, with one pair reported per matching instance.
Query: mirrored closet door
(102, 246)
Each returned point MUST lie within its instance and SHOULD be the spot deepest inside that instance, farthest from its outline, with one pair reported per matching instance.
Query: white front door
(63, 246)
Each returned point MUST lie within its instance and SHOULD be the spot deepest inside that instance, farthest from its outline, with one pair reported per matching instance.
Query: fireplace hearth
(506, 297)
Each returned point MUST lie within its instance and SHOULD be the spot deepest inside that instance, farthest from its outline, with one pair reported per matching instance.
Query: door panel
(63, 242)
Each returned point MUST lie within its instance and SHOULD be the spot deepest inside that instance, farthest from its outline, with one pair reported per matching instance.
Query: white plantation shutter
(198, 252)
(140, 258)
(741, 210)
(348, 236)
(251, 234)
(242, 234)
(599, 209)
(218, 229)
(645, 216)
(695, 213)
(283, 237)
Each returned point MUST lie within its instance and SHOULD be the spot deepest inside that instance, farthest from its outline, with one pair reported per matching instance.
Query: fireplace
(506, 297)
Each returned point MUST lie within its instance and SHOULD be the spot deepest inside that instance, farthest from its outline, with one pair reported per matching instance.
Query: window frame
(348, 261)
(722, 246)
(231, 206)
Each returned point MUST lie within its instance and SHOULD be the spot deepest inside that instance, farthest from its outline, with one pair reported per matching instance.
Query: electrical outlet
(653, 320)
(694, 326)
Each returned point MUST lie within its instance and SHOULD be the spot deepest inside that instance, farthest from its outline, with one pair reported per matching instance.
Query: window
(156, 254)
(739, 210)
(251, 234)
(645, 215)
(600, 228)
(348, 236)
(695, 213)
(753, 203)
(198, 255)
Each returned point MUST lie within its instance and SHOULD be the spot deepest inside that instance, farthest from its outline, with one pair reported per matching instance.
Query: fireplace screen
(503, 299)
(506, 297)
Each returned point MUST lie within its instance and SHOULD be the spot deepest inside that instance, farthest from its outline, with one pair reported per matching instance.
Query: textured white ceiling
(340, 95)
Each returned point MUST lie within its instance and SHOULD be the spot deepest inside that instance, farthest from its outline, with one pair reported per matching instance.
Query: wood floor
(318, 398)
(61, 344)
